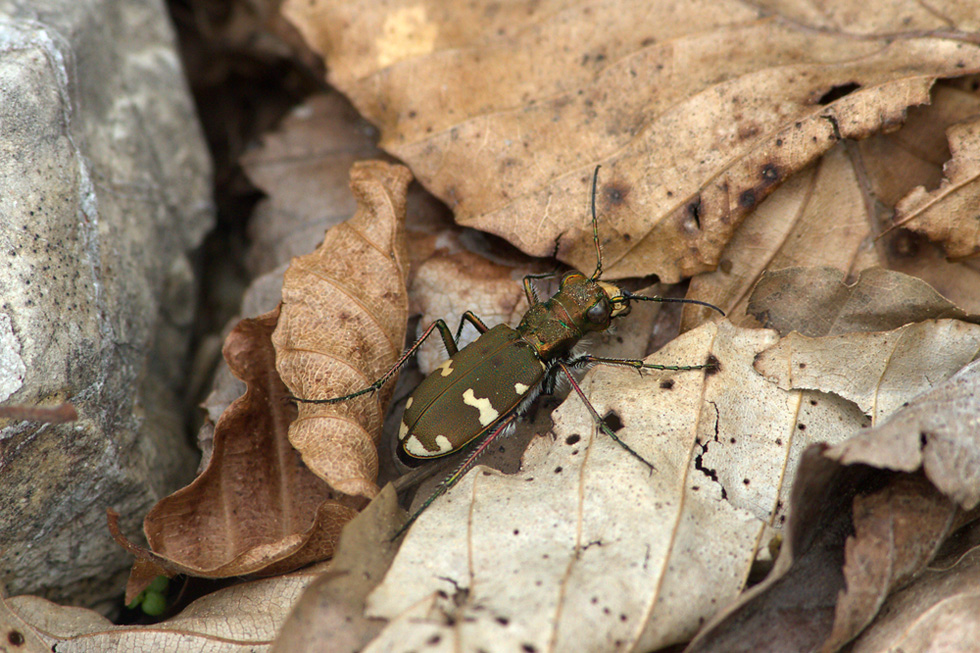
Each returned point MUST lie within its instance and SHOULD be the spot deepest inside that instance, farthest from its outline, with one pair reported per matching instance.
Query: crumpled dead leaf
(878, 371)
(818, 302)
(883, 542)
(237, 619)
(835, 213)
(938, 610)
(329, 616)
(948, 214)
(343, 322)
(256, 509)
(697, 111)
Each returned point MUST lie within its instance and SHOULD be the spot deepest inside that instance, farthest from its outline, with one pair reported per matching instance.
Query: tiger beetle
(480, 390)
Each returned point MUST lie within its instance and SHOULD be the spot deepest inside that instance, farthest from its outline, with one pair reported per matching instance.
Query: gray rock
(104, 192)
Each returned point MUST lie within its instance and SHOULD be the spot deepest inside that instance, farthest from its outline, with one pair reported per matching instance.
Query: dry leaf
(818, 302)
(242, 618)
(584, 549)
(345, 309)
(878, 371)
(937, 612)
(834, 213)
(949, 214)
(895, 536)
(698, 110)
(256, 508)
(303, 167)
(329, 616)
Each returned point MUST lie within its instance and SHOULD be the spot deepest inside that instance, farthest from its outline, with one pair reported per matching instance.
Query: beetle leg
(588, 359)
(469, 316)
(447, 339)
(464, 467)
(598, 420)
(529, 291)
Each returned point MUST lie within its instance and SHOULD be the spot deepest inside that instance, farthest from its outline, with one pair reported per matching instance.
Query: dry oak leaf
(950, 213)
(697, 110)
(244, 618)
(937, 612)
(879, 371)
(584, 548)
(848, 544)
(256, 509)
(819, 302)
(344, 316)
(833, 212)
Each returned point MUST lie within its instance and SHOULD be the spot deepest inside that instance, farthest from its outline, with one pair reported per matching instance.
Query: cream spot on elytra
(402, 431)
(520, 388)
(414, 447)
(446, 367)
(408, 404)
(443, 443)
(487, 412)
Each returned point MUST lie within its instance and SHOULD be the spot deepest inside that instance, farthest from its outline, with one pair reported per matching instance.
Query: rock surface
(106, 191)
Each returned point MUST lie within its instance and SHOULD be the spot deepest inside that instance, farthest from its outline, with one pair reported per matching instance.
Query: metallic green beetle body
(468, 394)
(502, 371)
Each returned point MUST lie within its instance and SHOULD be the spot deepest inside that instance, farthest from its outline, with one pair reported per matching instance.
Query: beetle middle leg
(450, 342)
(587, 359)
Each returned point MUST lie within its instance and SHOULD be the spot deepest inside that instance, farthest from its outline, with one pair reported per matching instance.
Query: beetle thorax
(580, 306)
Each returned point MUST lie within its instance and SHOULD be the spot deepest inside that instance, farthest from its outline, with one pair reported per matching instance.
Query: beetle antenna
(595, 229)
(630, 296)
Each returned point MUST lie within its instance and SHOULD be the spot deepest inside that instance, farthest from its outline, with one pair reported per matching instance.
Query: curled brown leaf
(256, 509)
(344, 315)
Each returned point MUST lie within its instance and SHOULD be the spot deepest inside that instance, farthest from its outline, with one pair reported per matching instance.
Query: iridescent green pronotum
(479, 391)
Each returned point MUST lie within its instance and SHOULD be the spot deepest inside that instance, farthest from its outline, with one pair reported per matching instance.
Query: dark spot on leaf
(615, 193)
(770, 173)
(732, 440)
(558, 469)
(837, 92)
(613, 421)
(528, 648)
(779, 142)
(694, 210)
(573, 438)
(923, 439)
(667, 384)
(745, 481)
(503, 621)
(713, 365)
(802, 427)
(747, 198)
(15, 637)
(802, 366)
(813, 402)
(434, 640)
(779, 442)
(726, 266)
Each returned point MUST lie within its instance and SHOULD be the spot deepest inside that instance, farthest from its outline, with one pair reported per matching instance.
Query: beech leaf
(344, 316)
(697, 110)
(949, 213)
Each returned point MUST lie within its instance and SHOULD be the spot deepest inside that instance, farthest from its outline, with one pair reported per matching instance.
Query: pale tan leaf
(343, 326)
(937, 612)
(818, 302)
(244, 617)
(937, 432)
(894, 536)
(949, 213)
(329, 616)
(879, 371)
(584, 549)
(699, 110)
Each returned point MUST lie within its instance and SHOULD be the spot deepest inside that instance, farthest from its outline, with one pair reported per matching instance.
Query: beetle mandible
(480, 390)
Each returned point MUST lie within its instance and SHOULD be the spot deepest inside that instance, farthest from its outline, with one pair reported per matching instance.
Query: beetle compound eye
(597, 313)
